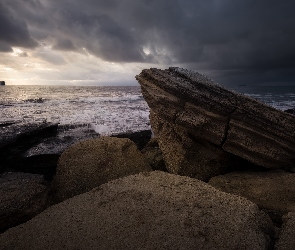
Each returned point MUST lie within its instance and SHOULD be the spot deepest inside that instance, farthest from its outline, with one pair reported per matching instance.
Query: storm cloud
(233, 41)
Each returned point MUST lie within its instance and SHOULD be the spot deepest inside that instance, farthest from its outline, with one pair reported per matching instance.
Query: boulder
(286, 238)
(2, 83)
(22, 197)
(272, 191)
(151, 210)
(90, 163)
(192, 106)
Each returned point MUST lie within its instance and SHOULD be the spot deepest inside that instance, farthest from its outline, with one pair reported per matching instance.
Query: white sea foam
(108, 110)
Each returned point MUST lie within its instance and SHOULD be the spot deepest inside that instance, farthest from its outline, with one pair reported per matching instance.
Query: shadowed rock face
(193, 106)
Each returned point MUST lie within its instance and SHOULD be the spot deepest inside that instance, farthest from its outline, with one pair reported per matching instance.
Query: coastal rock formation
(153, 210)
(17, 138)
(286, 239)
(190, 114)
(272, 191)
(90, 163)
(22, 197)
(35, 147)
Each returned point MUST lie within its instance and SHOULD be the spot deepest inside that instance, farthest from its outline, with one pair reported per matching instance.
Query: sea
(108, 110)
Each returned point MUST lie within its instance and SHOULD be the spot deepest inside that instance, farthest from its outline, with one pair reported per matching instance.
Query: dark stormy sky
(106, 42)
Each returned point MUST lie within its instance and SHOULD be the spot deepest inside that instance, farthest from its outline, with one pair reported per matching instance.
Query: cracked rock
(192, 116)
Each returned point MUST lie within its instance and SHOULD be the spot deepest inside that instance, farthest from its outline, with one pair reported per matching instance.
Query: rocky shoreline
(217, 174)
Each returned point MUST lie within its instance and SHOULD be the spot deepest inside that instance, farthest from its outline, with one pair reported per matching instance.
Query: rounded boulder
(90, 163)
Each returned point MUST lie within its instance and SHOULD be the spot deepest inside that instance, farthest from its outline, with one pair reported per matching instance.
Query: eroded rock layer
(190, 102)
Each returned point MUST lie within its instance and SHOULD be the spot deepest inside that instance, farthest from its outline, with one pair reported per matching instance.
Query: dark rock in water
(43, 164)
(40, 153)
(2, 83)
(201, 115)
(272, 191)
(140, 138)
(66, 136)
(17, 138)
(22, 196)
(290, 111)
(88, 164)
(154, 210)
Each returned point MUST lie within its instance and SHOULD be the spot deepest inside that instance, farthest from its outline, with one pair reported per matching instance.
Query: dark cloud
(237, 40)
(14, 31)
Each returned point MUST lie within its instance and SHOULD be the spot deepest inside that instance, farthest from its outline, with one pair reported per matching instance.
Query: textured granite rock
(90, 163)
(153, 210)
(22, 196)
(194, 107)
(273, 191)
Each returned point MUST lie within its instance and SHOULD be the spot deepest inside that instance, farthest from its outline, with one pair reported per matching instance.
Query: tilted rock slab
(153, 210)
(202, 109)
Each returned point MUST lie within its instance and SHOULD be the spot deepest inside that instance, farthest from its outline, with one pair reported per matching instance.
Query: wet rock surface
(154, 210)
(22, 197)
(193, 106)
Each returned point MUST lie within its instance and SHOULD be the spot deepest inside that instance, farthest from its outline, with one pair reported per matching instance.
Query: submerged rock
(22, 197)
(90, 163)
(154, 210)
(200, 115)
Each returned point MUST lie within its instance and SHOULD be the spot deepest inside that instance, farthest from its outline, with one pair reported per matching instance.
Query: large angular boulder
(153, 210)
(22, 196)
(196, 109)
(90, 163)
(286, 238)
(272, 191)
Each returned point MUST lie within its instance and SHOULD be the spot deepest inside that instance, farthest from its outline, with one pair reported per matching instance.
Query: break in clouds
(246, 41)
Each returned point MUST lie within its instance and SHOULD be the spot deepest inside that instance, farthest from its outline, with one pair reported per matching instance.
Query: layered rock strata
(200, 114)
